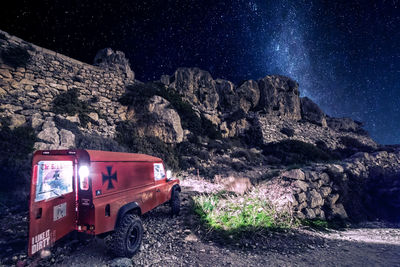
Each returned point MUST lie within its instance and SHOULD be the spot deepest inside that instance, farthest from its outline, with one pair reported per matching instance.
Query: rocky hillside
(259, 130)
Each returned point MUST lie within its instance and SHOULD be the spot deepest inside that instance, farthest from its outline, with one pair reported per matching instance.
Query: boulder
(248, 94)
(234, 128)
(279, 96)
(312, 112)
(309, 213)
(338, 211)
(315, 199)
(17, 120)
(67, 139)
(164, 79)
(228, 99)
(110, 59)
(36, 120)
(49, 134)
(296, 174)
(165, 122)
(94, 116)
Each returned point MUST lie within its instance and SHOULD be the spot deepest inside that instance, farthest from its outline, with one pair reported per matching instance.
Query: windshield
(54, 178)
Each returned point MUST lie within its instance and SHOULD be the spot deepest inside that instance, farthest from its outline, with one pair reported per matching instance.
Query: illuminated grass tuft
(238, 214)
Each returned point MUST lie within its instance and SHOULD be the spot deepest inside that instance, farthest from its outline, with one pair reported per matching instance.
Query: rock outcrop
(197, 87)
(114, 60)
(311, 112)
(279, 96)
(165, 121)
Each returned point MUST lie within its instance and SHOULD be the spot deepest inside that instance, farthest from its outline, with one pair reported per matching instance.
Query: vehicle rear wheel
(127, 237)
(175, 203)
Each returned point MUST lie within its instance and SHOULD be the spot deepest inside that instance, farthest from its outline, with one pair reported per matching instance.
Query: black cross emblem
(109, 177)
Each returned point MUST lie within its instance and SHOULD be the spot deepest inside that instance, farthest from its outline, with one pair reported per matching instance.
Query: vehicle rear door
(52, 208)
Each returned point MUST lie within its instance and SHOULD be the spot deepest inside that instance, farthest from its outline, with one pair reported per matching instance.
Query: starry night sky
(344, 54)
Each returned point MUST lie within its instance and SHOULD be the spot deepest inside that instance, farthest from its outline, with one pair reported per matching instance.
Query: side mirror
(169, 174)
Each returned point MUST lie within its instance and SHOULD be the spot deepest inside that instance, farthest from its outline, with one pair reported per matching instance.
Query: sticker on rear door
(40, 241)
(59, 211)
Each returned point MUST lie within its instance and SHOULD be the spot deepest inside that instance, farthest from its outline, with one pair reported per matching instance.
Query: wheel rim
(132, 238)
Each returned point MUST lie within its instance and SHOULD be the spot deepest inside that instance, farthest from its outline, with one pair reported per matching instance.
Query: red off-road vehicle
(96, 192)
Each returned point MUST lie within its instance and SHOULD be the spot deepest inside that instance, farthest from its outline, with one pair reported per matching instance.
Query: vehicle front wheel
(175, 203)
(127, 237)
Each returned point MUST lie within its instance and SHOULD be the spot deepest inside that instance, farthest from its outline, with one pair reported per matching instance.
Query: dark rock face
(279, 96)
(107, 58)
(311, 112)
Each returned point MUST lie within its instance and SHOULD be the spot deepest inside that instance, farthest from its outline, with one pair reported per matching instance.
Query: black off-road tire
(125, 241)
(175, 203)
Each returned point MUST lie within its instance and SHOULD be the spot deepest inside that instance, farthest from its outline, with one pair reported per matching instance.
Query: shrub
(294, 151)
(18, 142)
(68, 103)
(235, 215)
(352, 146)
(16, 146)
(289, 132)
(241, 153)
(239, 166)
(235, 116)
(16, 56)
(354, 143)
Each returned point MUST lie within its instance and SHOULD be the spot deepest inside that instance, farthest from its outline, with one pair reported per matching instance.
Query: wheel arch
(132, 207)
(176, 187)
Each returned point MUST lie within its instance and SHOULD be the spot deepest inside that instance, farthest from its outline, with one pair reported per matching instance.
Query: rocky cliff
(261, 130)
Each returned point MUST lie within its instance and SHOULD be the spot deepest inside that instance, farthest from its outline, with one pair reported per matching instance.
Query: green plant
(235, 215)
(69, 103)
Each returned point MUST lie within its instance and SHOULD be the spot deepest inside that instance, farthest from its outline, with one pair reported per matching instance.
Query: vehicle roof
(98, 155)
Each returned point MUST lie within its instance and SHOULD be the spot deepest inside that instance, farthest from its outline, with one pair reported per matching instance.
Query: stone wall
(363, 187)
(31, 77)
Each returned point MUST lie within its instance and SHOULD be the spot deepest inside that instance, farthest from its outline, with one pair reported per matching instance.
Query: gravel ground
(181, 241)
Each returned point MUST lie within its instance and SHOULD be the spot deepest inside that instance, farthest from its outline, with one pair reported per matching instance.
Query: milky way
(344, 54)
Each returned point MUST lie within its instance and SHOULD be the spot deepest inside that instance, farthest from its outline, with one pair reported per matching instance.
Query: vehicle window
(54, 178)
(159, 172)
